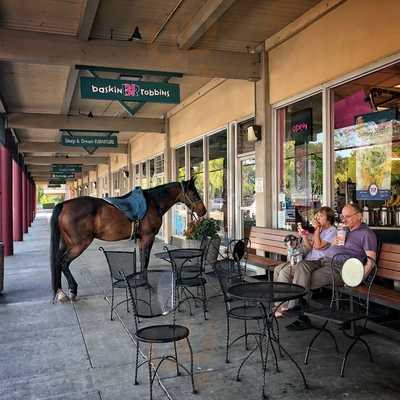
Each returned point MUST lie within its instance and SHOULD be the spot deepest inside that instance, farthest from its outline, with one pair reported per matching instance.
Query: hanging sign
(62, 175)
(66, 168)
(88, 141)
(57, 181)
(122, 90)
(53, 185)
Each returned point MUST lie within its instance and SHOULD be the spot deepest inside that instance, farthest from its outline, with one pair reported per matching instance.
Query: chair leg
(136, 363)
(127, 301)
(178, 373)
(346, 355)
(245, 338)
(191, 366)
(112, 302)
(368, 349)
(313, 340)
(205, 309)
(227, 340)
(150, 373)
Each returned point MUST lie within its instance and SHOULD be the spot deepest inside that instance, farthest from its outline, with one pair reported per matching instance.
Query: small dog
(295, 252)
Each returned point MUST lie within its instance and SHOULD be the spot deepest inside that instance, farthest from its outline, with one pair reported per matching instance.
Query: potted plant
(200, 228)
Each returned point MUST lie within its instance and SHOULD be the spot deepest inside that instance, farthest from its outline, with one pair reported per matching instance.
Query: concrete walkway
(73, 351)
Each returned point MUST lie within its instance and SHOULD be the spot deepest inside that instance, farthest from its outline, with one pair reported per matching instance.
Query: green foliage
(196, 230)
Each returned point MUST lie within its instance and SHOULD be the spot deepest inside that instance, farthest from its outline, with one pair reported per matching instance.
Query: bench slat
(385, 264)
(390, 247)
(389, 274)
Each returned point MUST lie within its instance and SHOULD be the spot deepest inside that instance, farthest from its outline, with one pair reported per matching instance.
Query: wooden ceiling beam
(88, 14)
(44, 48)
(107, 124)
(207, 16)
(46, 160)
(47, 147)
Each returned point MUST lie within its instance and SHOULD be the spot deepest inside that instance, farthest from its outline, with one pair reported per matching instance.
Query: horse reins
(192, 203)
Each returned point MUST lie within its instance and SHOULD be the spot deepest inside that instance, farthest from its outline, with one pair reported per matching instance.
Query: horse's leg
(68, 256)
(145, 245)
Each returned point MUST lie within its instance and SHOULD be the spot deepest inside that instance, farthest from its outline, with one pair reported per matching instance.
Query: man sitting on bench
(360, 242)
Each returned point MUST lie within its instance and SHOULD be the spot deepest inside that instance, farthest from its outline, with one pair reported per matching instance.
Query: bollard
(1, 266)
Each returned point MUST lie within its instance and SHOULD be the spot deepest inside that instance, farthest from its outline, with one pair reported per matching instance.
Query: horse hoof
(73, 297)
(61, 297)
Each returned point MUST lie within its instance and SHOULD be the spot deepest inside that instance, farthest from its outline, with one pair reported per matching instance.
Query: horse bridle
(192, 204)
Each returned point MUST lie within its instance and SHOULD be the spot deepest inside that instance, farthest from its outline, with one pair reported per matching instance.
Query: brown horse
(76, 222)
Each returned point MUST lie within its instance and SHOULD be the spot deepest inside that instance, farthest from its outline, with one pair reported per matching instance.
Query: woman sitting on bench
(323, 236)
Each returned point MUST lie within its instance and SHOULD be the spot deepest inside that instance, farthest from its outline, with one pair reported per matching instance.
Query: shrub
(196, 230)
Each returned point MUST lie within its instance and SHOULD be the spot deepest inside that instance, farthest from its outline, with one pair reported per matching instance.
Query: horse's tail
(54, 247)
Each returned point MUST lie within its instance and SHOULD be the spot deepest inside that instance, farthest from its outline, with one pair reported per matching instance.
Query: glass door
(246, 196)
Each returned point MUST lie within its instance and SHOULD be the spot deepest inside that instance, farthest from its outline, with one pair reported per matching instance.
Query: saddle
(132, 204)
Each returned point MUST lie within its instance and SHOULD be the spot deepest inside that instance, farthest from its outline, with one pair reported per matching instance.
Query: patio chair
(157, 300)
(344, 312)
(190, 276)
(121, 261)
(235, 309)
(238, 251)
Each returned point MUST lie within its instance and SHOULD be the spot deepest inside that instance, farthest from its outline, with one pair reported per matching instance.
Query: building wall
(146, 145)
(118, 161)
(353, 35)
(230, 101)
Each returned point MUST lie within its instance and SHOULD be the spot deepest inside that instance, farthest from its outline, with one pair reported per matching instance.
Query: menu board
(372, 143)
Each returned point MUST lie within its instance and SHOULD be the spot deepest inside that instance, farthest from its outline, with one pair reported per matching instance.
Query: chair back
(120, 261)
(238, 251)
(361, 305)
(187, 267)
(225, 276)
(157, 298)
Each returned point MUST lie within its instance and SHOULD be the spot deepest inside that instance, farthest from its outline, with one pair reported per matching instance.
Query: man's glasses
(343, 217)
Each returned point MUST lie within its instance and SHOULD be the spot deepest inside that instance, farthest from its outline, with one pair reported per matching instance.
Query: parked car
(217, 204)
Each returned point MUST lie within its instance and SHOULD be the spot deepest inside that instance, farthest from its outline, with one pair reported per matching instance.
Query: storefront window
(180, 213)
(300, 162)
(217, 179)
(367, 145)
(144, 175)
(197, 165)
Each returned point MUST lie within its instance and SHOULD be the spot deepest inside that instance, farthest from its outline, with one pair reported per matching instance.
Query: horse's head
(191, 198)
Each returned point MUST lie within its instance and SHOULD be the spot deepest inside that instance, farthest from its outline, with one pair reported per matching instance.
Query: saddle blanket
(132, 204)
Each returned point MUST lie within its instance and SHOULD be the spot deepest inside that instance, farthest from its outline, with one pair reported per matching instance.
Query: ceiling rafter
(207, 16)
(88, 14)
(44, 48)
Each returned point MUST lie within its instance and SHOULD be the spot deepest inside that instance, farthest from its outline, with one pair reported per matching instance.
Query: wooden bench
(388, 270)
(270, 241)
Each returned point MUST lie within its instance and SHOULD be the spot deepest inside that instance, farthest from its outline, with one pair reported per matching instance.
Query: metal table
(181, 254)
(266, 294)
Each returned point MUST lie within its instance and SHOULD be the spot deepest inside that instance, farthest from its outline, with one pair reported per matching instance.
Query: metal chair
(344, 312)
(235, 309)
(157, 299)
(238, 251)
(118, 262)
(189, 273)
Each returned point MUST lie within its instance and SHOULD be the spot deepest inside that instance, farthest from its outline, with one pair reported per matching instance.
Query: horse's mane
(158, 193)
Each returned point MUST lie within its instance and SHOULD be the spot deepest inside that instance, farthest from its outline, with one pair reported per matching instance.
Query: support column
(24, 201)
(6, 198)
(264, 196)
(17, 202)
(168, 178)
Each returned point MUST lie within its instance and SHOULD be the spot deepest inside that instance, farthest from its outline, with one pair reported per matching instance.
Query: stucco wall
(118, 161)
(146, 145)
(231, 100)
(351, 36)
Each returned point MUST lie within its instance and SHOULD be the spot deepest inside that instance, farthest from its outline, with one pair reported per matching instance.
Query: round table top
(180, 253)
(267, 292)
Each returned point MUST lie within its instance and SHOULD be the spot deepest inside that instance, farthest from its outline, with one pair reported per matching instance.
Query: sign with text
(122, 90)
(301, 125)
(66, 168)
(57, 181)
(62, 175)
(89, 141)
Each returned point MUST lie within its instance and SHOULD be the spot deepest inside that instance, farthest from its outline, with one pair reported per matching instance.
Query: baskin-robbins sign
(118, 89)
(89, 141)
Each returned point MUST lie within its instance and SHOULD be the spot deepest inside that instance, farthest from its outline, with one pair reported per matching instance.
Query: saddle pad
(132, 204)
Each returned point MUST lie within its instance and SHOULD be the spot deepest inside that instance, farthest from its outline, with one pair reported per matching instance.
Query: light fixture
(135, 35)
(126, 173)
(254, 133)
